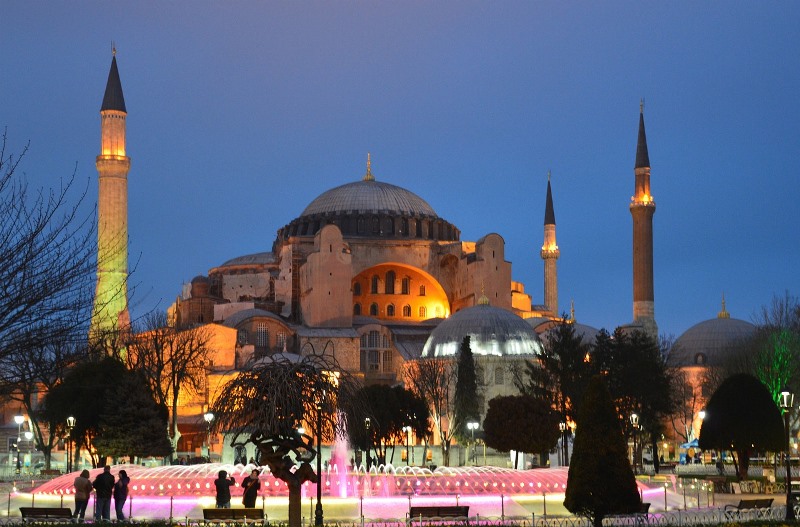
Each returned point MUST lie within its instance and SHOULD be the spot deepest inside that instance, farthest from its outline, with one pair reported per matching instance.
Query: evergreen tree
(742, 417)
(466, 401)
(600, 480)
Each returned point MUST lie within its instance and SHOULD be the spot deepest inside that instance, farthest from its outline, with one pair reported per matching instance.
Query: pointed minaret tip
(724, 313)
(113, 98)
(368, 176)
(642, 157)
(549, 211)
(572, 310)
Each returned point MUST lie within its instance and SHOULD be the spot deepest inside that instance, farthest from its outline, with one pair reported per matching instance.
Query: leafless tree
(434, 380)
(269, 402)
(172, 359)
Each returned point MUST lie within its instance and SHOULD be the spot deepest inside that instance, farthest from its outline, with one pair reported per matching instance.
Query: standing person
(251, 486)
(83, 489)
(223, 485)
(103, 486)
(121, 494)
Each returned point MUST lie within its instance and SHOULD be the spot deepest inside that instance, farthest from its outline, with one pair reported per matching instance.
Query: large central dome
(369, 197)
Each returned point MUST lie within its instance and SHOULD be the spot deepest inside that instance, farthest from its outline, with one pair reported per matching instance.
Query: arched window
(361, 225)
(406, 310)
(357, 289)
(499, 376)
(356, 309)
(422, 290)
(422, 312)
(374, 287)
(262, 335)
(376, 225)
(439, 311)
(405, 285)
(404, 226)
(390, 276)
(390, 310)
(373, 309)
(241, 337)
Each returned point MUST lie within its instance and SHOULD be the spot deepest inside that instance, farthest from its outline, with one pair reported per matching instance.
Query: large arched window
(356, 309)
(373, 309)
(423, 312)
(262, 335)
(390, 276)
(374, 286)
(390, 310)
(357, 289)
(406, 310)
(376, 353)
(405, 285)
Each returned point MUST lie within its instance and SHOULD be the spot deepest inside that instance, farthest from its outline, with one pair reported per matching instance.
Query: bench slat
(45, 512)
(232, 514)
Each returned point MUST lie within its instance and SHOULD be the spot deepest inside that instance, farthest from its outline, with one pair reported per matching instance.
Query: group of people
(223, 485)
(105, 487)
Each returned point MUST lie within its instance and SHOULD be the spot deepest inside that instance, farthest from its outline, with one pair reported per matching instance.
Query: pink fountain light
(384, 481)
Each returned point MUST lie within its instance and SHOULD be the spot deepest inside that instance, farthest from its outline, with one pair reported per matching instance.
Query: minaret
(550, 254)
(642, 209)
(111, 295)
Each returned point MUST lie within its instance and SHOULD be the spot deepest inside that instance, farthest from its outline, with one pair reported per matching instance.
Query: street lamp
(29, 439)
(472, 426)
(318, 509)
(19, 419)
(562, 427)
(70, 426)
(635, 426)
(208, 417)
(407, 430)
(367, 426)
(787, 401)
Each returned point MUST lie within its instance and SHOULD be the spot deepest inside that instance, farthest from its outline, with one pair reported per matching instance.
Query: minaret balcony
(550, 252)
(642, 201)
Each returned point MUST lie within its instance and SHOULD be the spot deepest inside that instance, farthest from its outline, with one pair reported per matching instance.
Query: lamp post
(318, 508)
(635, 427)
(367, 426)
(208, 417)
(407, 432)
(29, 439)
(19, 419)
(472, 426)
(787, 401)
(562, 427)
(70, 426)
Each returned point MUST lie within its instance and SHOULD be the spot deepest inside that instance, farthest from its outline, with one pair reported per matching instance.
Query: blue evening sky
(241, 113)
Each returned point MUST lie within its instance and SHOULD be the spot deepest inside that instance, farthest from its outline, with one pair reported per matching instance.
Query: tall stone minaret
(550, 254)
(111, 295)
(642, 209)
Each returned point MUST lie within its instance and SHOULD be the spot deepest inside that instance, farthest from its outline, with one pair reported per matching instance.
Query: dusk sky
(241, 113)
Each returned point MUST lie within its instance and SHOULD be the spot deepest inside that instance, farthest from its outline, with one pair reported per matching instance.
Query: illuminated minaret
(642, 209)
(550, 254)
(111, 295)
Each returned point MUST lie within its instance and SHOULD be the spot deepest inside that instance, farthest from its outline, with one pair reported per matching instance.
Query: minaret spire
(550, 254)
(368, 176)
(110, 311)
(642, 208)
(724, 313)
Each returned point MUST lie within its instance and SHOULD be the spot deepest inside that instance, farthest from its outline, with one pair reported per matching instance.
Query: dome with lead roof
(710, 341)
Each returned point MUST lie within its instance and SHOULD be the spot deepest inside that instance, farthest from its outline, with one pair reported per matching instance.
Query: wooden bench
(233, 514)
(45, 513)
(438, 512)
(756, 505)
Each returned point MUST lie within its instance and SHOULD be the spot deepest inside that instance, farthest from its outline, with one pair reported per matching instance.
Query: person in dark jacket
(223, 485)
(251, 486)
(103, 486)
(121, 494)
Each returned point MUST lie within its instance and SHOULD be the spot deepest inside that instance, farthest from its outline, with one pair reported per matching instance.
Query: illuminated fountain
(383, 492)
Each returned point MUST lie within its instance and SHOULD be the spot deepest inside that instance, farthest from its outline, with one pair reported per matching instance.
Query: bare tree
(434, 381)
(173, 360)
(269, 402)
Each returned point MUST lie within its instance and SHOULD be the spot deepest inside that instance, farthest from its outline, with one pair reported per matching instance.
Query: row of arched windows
(391, 311)
(389, 289)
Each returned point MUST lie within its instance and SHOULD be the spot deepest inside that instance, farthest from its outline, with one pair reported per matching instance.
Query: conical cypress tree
(600, 480)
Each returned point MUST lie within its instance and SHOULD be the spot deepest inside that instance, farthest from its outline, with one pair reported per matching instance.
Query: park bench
(222, 515)
(437, 512)
(757, 505)
(45, 513)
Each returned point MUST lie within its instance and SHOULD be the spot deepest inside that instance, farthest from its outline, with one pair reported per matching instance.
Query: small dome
(369, 196)
(200, 286)
(708, 342)
(492, 330)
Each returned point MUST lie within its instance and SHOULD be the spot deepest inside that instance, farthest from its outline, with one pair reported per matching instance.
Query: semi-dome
(708, 342)
(492, 330)
(369, 196)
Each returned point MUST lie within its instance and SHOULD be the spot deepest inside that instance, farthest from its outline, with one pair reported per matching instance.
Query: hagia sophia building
(370, 273)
